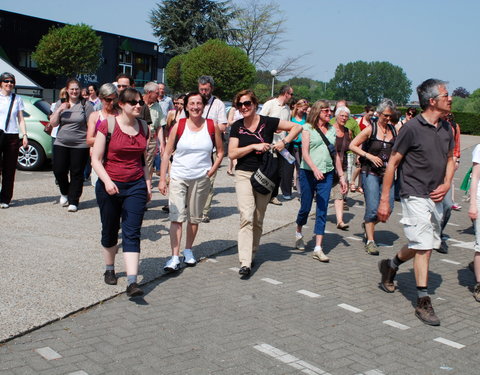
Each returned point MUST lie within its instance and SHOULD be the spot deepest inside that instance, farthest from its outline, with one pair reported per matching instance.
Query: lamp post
(273, 73)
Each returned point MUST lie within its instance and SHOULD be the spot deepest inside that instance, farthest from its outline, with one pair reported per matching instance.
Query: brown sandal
(342, 226)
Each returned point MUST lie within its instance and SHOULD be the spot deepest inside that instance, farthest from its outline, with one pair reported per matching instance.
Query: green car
(39, 150)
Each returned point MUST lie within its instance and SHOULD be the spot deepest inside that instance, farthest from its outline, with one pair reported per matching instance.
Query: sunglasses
(8, 81)
(246, 103)
(109, 100)
(178, 103)
(133, 103)
(387, 116)
(326, 110)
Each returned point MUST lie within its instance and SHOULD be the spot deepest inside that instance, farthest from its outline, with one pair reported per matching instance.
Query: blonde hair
(314, 114)
(299, 104)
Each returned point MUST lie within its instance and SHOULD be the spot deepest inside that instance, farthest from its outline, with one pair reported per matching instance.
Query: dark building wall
(20, 34)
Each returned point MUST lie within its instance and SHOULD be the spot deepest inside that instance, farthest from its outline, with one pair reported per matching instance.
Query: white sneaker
(4, 205)
(72, 208)
(299, 244)
(188, 258)
(172, 265)
(320, 255)
(63, 200)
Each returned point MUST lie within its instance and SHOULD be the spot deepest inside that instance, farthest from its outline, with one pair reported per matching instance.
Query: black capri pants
(127, 207)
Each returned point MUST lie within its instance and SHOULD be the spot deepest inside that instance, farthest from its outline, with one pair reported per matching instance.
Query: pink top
(124, 157)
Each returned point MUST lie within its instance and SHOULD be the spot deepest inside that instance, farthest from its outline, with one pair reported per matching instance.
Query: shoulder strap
(9, 112)
(110, 129)
(393, 130)
(209, 108)
(180, 128)
(211, 129)
(144, 126)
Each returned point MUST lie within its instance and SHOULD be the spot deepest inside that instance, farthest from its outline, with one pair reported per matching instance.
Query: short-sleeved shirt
(157, 117)
(124, 157)
(476, 160)
(72, 130)
(215, 109)
(16, 108)
(166, 104)
(425, 149)
(318, 150)
(262, 134)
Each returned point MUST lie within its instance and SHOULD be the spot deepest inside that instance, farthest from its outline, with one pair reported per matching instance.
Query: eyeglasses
(122, 86)
(443, 95)
(178, 103)
(326, 110)
(8, 81)
(387, 116)
(109, 100)
(246, 103)
(133, 103)
(409, 114)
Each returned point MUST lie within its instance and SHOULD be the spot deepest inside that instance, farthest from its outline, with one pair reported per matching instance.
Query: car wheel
(32, 158)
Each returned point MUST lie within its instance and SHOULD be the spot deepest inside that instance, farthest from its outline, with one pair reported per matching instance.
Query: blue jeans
(372, 187)
(310, 186)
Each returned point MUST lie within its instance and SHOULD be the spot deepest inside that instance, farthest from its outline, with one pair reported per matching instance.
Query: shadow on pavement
(407, 287)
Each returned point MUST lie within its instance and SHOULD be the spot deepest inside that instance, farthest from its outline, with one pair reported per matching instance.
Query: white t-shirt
(4, 106)
(193, 155)
(476, 159)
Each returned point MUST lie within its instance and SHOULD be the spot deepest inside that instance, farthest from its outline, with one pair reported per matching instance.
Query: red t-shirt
(124, 158)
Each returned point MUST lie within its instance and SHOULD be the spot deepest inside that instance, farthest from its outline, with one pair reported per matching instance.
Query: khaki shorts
(422, 219)
(336, 193)
(187, 199)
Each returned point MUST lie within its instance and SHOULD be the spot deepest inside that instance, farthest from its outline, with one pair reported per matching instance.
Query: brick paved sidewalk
(294, 315)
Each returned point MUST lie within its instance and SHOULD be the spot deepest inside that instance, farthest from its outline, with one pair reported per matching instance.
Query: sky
(426, 38)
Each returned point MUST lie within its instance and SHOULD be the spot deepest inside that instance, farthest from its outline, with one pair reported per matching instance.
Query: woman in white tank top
(193, 139)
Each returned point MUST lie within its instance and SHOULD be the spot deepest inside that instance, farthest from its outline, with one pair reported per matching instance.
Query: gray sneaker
(476, 292)
(371, 248)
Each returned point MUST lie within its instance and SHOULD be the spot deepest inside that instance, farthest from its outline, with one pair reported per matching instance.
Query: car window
(25, 114)
(43, 106)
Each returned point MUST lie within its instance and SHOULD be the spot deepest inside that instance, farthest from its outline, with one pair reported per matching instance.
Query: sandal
(359, 189)
(353, 187)
(342, 226)
(230, 173)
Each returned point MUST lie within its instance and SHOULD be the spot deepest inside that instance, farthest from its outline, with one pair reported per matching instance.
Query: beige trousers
(252, 206)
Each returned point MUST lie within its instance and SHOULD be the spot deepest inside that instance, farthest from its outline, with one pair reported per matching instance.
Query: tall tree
(69, 50)
(368, 83)
(181, 25)
(259, 27)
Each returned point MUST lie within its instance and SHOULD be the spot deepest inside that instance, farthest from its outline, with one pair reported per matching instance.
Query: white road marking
(453, 344)
(308, 294)
(328, 232)
(394, 324)
(383, 245)
(236, 269)
(441, 299)
(291, 360)
(453, 225)
(465, 245)
(449, 261)
(81, 372)
(354, 238)
(48, 353)
(350, 308)
(373, 372)
(212, 260)
(271, 281)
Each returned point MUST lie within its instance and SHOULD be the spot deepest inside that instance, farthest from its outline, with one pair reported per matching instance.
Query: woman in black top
(250, 138)
(377, 141)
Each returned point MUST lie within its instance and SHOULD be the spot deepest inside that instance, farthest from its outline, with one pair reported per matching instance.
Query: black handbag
(266, 178)
(2, 133)
(333, 154)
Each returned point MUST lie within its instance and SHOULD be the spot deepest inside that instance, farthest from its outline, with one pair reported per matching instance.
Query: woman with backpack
(374, 146)
(70, 147)
(250, 138)
(124, 186)
(193, 139)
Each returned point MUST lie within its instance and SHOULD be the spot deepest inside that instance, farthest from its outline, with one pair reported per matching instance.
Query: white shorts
(422, 220)
(477, 228)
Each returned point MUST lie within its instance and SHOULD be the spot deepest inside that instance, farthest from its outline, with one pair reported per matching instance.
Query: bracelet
(284, 143)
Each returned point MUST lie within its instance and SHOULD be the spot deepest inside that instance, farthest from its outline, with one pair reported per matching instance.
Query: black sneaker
(424, 312)
(110, 277)
(244, 271)
(134, 291)
(476, 292)
(443, 249)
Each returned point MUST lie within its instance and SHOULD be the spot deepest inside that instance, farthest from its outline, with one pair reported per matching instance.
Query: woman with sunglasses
(192, 139)
(316, 174)
(70, 147)
(124, 186)
(409, 114)
(11, 122)
(250, 138)
(374, 146)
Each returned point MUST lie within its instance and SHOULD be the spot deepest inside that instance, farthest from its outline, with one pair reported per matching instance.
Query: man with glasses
(150, 96)
(165, 102)
(423, 153)
(279, 107)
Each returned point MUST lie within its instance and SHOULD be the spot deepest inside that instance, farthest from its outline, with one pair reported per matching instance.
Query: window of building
(125, 62)
(142, 69)
(25, 59)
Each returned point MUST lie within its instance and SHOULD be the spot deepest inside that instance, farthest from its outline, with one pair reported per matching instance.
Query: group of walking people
(416, 156)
